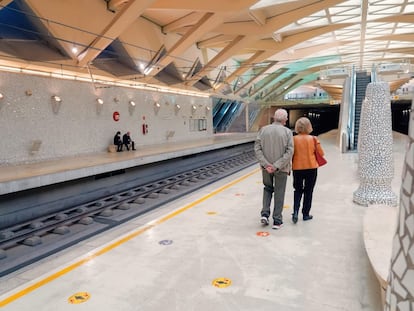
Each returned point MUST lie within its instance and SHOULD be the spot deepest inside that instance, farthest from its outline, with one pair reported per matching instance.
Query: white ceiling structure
(246, 49)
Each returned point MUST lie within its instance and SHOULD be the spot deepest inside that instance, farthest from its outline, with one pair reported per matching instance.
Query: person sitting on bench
(118, 141)
(127, 141)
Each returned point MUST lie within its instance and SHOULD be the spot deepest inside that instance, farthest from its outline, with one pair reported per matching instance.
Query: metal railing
(351, 110)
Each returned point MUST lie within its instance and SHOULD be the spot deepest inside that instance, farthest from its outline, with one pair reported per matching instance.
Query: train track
(24, 243)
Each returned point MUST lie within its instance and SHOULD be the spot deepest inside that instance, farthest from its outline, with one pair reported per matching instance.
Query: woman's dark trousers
(303, 184)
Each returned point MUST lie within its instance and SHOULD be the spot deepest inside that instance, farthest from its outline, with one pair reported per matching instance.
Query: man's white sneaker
(264, 221)
(277, 226)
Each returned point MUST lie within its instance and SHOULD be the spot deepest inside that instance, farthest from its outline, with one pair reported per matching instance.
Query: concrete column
(376, 164)
(400, 290)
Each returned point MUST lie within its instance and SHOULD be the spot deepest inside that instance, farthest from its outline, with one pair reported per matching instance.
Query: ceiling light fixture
(104, 81)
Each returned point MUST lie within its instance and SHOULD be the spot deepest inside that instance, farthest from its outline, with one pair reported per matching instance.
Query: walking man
(274, 149)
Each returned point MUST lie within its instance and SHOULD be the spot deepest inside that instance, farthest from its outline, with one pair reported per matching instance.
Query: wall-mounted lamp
(56, 102)
(56, 98)
(193, 109)
(131, 107)
(177, 108)
(99, 105)
(157, 107)
(207, 110)
(1, 96)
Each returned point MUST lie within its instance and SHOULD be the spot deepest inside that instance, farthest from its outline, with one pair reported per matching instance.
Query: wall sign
(115, 116)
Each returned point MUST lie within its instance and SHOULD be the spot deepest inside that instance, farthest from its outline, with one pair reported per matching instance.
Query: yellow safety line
(117, 243)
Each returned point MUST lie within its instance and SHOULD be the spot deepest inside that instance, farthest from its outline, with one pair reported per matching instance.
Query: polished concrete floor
(208, 251)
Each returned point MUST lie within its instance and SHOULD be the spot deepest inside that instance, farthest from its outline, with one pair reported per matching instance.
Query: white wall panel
(80, 126)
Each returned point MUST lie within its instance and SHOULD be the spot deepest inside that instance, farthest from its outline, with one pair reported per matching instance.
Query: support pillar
(376, 163)
(400, 290)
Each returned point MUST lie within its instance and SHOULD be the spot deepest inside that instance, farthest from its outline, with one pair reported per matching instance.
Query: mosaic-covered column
(376, 163)
(400, 291)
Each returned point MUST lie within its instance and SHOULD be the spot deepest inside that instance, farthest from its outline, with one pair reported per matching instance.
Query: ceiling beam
(290, 41)
(409, 37)
(257, 57)
(295, 54)
(4, 3)
(233, 47)
(124, 18)
(364, 17)
(251, 28)
(208, 21)
(218, 41)
(185, 21)
(255, 77)
(204, 6)
(398, 18)
(265, 81)
(244, 66)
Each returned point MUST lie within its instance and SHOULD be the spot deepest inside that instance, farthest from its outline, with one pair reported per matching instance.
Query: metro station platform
(208, 251)
(14, 178)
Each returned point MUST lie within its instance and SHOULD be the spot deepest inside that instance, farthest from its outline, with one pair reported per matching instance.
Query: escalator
(224, 111)
(362, 81)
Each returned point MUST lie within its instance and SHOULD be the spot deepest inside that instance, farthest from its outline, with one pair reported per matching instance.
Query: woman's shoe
(295, 217)
(307, 217)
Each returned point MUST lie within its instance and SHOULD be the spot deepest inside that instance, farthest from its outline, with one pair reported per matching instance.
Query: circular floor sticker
(211, 213)
(221, 282)
(79, 298)
(286, 206)
(263, 233)
(165, 242)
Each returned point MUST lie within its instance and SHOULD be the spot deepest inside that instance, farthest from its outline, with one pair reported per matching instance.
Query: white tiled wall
(79, 125)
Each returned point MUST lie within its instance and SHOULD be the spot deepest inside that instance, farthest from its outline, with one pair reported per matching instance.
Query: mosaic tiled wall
(376, 164)
(80, 125)
(400, 291)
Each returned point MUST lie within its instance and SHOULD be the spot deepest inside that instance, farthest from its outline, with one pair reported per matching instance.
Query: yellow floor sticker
(221, 282)
(79, 298)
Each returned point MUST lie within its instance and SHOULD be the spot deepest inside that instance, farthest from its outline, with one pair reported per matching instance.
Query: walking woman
(304, 167)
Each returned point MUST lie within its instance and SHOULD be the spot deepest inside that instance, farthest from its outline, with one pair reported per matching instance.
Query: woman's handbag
(319, 158)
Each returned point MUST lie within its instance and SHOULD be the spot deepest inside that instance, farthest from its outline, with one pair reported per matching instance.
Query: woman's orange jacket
(304, 152)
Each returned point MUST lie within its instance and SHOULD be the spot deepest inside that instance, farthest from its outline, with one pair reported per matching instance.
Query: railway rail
(26, 242)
